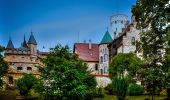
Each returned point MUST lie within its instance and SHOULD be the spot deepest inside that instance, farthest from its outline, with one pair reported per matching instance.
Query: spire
(24, 44)
(107, 38)
(32, 39)
(10, 44)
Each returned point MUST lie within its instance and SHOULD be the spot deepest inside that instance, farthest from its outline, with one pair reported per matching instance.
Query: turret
(24, 44)
(10, 44)
(32, 44)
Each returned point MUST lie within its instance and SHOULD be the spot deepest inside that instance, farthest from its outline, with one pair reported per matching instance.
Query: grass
(11, 95)
(142, 97)
(8, 95)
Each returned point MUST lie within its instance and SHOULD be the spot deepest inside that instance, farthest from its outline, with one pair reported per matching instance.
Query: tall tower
(118, 22)
(32, 44)
(104, 53)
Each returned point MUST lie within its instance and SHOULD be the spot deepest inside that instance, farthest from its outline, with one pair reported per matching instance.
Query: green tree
(3, 66)
(152, 17)
(125, 62)
(65, 77)
(120, 85)
(27, 83)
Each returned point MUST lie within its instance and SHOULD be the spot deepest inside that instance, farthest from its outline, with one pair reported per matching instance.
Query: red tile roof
(44, 53)
(86, 54)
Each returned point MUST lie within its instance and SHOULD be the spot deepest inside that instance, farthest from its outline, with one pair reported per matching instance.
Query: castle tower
(10, 44)
(104, 53)
(118, 22)
(32, 44)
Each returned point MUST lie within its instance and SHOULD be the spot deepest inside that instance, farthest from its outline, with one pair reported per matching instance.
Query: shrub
(26, 83)
(135, 89)
(98, 92)
(120, 85)
(109, 89)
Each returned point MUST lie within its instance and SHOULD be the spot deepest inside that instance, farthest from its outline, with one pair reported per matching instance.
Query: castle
(22, 60)
(121, 39)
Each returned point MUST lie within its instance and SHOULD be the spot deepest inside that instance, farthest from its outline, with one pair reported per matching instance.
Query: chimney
(90, 45)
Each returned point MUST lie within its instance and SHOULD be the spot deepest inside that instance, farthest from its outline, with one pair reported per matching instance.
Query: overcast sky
(58, 21)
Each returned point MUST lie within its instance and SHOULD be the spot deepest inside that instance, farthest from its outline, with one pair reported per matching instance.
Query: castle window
(29, 68)
(133, 41)
(19, 68)
(11, 80)
(101, 59)
(105, 57)
(96, 66)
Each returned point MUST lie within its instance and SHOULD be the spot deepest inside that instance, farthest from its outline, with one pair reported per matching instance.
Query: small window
(105, 57)
(96, 66)
(19, 68)
(101, 59)
(133, 41)
(29, 68)
(11, 81)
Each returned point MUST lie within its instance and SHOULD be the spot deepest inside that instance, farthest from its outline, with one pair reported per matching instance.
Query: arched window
(133, 41)
(101, 59)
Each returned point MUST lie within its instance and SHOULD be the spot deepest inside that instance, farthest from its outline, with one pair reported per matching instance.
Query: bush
(109, 89)
(120, 85)
(98, 92)
(135, 89)
(26, 83)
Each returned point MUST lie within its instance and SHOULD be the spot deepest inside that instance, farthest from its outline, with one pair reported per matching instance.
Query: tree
(125, 62)
(26, 83)
(3, 66)
(120, 85)
(65, 76)
(152, 17)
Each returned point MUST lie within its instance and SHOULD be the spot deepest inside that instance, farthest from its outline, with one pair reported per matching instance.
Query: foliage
(125, 62)
(109, 88)
(135, 89)
(65, 77)
(26, 83)
(3, 66)
(120, 85)
(152, 17)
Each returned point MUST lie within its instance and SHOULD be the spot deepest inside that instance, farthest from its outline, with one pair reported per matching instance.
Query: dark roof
(32, 40)
(24, 44)
(106, 38)
(10, 44)
(23, 49)
(86, 54)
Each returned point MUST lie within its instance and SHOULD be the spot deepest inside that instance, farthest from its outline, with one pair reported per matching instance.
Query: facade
(104, 53)
(22, 60)
(89, 53)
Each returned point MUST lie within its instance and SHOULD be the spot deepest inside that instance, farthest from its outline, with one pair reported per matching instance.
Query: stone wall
(103, 81)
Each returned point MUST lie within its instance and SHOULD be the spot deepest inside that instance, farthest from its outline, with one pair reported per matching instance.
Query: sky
(58, 21)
